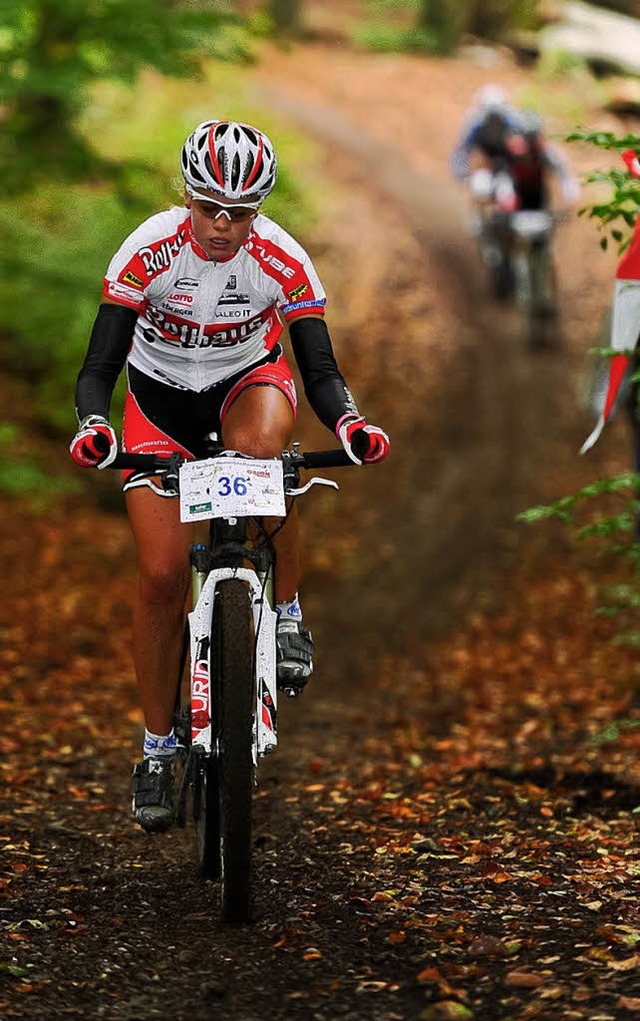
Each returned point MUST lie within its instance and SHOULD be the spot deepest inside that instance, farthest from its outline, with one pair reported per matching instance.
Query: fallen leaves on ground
(473, 830)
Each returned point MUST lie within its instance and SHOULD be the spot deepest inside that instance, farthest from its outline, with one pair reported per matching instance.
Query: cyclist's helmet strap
(229, 158)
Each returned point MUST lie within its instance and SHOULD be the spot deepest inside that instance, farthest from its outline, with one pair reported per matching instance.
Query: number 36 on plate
(224, 487)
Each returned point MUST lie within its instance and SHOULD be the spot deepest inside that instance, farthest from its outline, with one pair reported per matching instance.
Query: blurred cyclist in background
(504, 156)
(508, 164)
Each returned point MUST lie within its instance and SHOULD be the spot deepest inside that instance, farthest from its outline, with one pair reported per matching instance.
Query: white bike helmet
(231, 159)
(491, 97)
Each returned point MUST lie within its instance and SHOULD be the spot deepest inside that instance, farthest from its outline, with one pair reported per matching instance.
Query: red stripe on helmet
(212, 152)
(257, 166)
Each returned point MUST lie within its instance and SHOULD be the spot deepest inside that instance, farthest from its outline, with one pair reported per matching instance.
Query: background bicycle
(517, 250)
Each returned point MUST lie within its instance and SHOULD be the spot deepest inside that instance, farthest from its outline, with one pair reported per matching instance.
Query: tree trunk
(285, 15)
(443, 21)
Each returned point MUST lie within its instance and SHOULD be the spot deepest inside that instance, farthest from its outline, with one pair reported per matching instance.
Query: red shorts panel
(276, 374)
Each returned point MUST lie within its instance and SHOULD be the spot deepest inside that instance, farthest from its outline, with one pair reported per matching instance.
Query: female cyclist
(193, 304)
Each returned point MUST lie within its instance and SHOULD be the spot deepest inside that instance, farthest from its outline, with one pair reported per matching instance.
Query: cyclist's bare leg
(260, 422)
(162, 543)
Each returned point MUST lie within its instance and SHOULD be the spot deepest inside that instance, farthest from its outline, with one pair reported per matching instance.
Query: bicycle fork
(205, 582)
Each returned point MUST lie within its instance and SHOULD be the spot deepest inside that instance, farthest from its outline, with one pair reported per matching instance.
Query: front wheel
(206, 813)
(542, 311)
(234, 694)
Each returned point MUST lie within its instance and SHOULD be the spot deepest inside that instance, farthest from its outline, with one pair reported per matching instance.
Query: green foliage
(395, 39)
(622, 205)
(58, 240)
(90, 149)
(396, 26)
(21, 475)
(566, 507)
(58, 244)
(436, 26)
(612, 732)
(614, 531)
(490, 19)
(52, 50)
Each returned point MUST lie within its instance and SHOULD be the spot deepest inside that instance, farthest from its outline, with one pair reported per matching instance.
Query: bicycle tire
(206, 814)
(502, 276)
(232, 663)
(542, 317)
(182, 730)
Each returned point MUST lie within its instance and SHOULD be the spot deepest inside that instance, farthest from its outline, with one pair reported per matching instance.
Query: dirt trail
(496, 428)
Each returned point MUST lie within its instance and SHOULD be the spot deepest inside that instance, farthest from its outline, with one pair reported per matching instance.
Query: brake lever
(316, 480)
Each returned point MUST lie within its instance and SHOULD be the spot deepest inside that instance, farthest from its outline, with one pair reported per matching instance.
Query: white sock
(159, 746)
(289, 611)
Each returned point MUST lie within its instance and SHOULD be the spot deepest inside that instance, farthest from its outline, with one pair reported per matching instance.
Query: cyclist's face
(220, 228)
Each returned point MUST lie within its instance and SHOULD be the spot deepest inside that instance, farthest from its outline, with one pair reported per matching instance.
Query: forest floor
(447, 830)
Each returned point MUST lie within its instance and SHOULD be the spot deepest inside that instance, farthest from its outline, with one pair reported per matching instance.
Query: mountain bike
(517, 250)
(226, 705)
(534, 274)
(495, 241)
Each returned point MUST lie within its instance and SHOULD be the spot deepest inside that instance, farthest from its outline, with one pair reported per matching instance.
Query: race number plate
(227, 487)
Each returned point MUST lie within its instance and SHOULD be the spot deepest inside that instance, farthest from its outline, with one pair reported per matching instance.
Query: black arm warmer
(107, 352)
(324, 385)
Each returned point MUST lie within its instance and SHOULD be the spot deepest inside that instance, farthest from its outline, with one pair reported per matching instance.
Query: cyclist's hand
(95, 444)
(365, 444)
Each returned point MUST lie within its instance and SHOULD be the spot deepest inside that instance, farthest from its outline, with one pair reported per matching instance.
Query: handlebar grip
(326, 459)
(139, 462)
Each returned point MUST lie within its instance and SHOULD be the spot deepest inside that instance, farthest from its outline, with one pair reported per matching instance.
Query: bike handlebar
(311, 459)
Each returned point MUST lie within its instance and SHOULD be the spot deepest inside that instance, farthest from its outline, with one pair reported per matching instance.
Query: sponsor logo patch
(159, 256)
(297, 305)
(123, 292)
(131, 278)
(234, 299)
(297, 292)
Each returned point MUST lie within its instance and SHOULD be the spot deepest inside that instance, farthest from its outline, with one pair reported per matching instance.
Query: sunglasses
(235, 214)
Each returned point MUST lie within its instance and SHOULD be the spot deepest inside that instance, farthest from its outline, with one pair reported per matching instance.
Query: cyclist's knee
(252, 437)
(256, 444)
(259, 422)
(165, 583)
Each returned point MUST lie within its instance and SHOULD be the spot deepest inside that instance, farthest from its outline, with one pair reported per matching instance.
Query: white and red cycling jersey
(200, 321)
